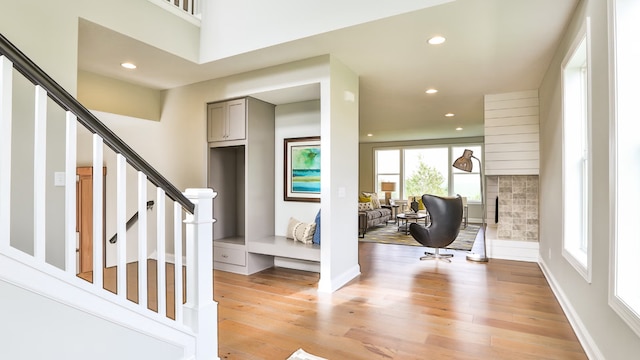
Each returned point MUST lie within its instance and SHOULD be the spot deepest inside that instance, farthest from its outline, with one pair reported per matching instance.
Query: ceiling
(492, 46)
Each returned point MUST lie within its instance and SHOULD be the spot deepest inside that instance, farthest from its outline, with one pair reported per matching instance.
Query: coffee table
(404, 219)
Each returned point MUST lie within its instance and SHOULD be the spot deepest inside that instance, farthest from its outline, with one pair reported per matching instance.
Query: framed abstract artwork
(302, 169)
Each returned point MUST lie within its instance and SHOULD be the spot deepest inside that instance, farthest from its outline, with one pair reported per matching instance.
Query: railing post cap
(200, 193)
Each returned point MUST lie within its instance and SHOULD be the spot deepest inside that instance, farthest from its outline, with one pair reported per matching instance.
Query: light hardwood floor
(398, 308)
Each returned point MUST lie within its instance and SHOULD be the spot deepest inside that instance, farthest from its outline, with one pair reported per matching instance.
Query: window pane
(467, 184)
(626, 287)
(387, 170)
(388, 161)
(426, 171)
(575, 155)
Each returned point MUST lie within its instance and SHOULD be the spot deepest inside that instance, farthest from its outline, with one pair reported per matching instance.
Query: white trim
(70, 193)
(570, 251)
(142, 237)
(332, 285)
(97, 210)
(626, 312)
(40, 173)
(121, 223)
(161, 269)
(177, 260)
(587, 342)
(6, 111)
(513, 250)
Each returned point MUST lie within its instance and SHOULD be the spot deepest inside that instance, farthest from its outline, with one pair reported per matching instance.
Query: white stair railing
(186, 9)
(198, 316)
(190, 6)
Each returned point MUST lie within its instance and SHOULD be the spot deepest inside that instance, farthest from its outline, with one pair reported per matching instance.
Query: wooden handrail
(130, 222)
(57, 93)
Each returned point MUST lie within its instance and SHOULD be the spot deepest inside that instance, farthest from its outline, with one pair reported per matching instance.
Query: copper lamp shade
(464, 162)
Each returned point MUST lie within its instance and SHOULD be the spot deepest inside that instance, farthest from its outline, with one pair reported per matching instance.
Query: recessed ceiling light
(369, 135)
(128, 65)
(431, 91)
(436, 40)
(458, 129)
(449, 114)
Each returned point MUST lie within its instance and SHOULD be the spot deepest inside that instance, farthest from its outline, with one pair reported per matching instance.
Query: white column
(70, 194)
(142, 239)
(161, 252)
(121, 225)
(40, 173)
(6, 88)
(97, 210)
(177, 246)
(200, 311)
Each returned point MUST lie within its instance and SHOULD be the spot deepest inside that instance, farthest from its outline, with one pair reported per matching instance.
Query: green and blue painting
(305, 169)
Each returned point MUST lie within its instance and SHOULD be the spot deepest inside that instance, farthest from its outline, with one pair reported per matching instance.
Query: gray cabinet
(241, 170)
(226, 120)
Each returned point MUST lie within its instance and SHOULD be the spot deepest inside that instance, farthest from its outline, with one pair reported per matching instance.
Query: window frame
(621, 13)
(576, 78)
(401, 159)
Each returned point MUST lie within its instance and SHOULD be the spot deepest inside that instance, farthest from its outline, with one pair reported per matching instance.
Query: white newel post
(200, 311)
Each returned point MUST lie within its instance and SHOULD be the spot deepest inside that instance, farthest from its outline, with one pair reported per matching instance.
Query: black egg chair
(446, 217)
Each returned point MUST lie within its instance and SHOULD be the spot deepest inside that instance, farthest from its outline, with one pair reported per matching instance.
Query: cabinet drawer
(229, 256)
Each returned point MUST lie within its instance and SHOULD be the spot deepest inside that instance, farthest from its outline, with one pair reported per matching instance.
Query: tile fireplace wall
(517, 206)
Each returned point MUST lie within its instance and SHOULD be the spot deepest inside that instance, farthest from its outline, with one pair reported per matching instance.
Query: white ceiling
(492, 46)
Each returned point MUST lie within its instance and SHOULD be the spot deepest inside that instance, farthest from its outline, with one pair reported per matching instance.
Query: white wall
(234, 27)
(68, 333)
(339, 129)
(339, 178)
(47, 32)
(293, 120)
(605, 335)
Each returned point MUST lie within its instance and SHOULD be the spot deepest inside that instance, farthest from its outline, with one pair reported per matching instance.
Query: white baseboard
(513, 250)
(587, 342)
(170, 258)
(330, 285)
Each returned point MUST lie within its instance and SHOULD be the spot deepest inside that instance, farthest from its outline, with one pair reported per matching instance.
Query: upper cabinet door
(226, 120)
(236, 119)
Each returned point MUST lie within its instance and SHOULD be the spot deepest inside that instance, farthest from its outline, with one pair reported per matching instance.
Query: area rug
(389, 234)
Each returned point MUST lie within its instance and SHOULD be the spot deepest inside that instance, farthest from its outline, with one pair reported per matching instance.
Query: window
(426, 171)
(418, 170)
(624, 291)
(575, 154)
(388, 170)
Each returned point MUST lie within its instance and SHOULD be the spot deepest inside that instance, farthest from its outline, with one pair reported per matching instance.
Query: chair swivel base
(437, 256)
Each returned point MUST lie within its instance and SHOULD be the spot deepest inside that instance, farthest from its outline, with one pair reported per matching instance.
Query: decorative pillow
(421, 204)
(364, 206)
(316, 234)
(375, 202)
(364, 199)
(299, 231)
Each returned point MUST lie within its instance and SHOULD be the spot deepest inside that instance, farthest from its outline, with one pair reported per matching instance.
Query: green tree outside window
(426, 180)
